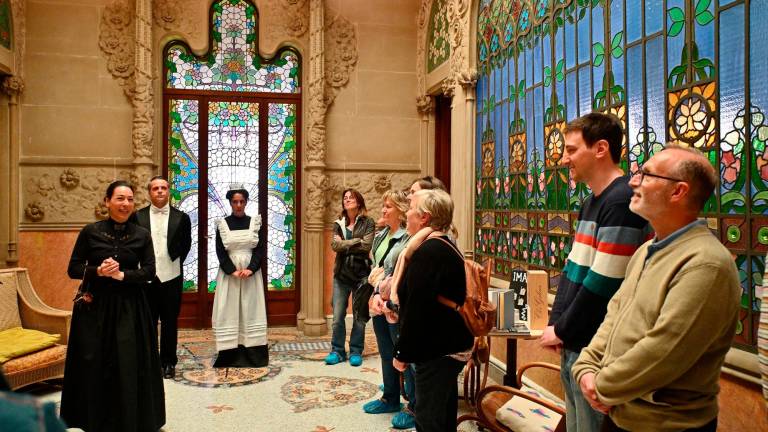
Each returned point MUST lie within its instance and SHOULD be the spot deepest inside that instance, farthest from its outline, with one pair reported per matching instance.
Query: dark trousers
(437, 394)
(164, 303)
(610, 426)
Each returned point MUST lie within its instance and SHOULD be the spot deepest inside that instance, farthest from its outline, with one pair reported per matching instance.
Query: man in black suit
(171, 232)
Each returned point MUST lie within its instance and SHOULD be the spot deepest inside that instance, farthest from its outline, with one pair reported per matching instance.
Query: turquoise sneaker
(333, 358)
(404, 420)
(380, 406)
(355, 360)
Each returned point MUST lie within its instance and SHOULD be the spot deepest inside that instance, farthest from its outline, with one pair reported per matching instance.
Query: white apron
(239, 305)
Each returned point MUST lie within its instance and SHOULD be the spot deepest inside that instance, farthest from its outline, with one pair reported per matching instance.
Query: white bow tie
(163, 210)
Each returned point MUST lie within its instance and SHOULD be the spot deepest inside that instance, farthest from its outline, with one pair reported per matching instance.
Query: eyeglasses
(643, 174)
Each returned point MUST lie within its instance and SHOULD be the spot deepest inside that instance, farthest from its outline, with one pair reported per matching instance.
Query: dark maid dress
(112, 376)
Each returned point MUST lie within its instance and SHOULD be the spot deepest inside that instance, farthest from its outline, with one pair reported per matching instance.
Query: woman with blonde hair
(386, 247)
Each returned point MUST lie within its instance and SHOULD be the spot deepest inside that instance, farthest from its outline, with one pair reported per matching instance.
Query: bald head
(694, 168)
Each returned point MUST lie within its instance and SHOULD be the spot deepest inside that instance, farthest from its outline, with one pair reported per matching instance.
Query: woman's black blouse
(127, 243)
(225, 262)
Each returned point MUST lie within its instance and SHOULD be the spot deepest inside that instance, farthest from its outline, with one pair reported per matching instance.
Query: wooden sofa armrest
(527, 366)
(37, 315)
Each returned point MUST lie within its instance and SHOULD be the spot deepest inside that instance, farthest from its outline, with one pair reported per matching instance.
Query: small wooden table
(510, 375)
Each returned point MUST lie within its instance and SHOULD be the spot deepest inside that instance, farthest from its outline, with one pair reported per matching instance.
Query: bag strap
(440, 298)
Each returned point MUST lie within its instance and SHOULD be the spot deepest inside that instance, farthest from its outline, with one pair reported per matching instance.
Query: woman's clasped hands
(110, 268)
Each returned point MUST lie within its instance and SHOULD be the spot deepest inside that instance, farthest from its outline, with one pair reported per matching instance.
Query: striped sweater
(607, 234)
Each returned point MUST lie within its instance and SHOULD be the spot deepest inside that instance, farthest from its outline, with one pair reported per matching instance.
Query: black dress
(112, 376)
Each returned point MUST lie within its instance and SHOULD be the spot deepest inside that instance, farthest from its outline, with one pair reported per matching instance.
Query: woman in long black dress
(112, 377)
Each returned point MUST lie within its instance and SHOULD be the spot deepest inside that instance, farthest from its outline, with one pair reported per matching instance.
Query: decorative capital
(449, 87)
(13, 85)
(467, 78)
(424, 104)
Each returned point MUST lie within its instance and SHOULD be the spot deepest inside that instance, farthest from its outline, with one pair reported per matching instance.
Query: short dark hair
(157, 177)
(430, 182)
(360, 204)
(116, 184)
(698, 173)
(231, 194)
(597, 126)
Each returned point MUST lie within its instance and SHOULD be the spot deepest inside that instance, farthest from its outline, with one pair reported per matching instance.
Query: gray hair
(438, 204)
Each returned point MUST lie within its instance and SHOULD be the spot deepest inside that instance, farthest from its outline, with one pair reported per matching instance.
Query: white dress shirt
(164, 267)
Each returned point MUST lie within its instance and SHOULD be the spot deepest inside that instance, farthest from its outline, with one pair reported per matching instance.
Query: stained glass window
(233, 63)
(690, 71)
(225, 127)
(281, 187)
(233, 158)
(184, 174)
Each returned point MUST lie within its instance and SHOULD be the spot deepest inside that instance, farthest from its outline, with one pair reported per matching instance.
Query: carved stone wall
(66, 195)
(175, 15)
(282, 20)
(19, 15)
(116, 41)
(421, 49)
(340, 54)
(371, 185)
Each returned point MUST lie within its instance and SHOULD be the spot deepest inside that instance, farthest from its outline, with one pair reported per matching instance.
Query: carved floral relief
(116, 40)
(66, 195)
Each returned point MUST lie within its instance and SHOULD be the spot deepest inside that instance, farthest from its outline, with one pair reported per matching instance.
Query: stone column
(143, 101)
(311, 319)
(467, 150)
(13, 86)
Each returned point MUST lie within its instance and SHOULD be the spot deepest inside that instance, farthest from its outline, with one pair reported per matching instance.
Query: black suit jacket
(179, 232)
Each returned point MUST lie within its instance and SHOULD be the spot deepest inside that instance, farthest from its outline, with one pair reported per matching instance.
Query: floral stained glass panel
(281, 186)
(685, 71)
(233, 158)
(233, 63)
(183, 174)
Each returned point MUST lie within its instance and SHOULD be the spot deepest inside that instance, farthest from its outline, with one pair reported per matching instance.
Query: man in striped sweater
(607, 234)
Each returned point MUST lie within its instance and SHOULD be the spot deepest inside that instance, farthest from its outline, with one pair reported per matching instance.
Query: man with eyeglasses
(607, 234)
(654, 363)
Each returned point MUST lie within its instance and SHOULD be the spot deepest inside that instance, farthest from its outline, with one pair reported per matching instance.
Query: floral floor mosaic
(197, 352)
(296, 392)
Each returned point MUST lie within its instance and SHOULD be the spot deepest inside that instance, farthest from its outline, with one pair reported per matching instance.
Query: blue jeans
(386, 337)
(579, 415)
(340, 300)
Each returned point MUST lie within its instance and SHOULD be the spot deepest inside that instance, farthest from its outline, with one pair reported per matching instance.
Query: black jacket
(179, 231)
(429, 329)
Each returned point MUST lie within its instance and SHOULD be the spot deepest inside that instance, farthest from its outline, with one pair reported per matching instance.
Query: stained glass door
(217, 142)
(231, 117)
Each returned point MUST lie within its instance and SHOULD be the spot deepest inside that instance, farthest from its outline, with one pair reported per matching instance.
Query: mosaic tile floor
(296, 392)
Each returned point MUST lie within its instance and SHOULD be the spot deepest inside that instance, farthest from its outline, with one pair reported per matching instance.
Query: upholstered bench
(20, 306)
